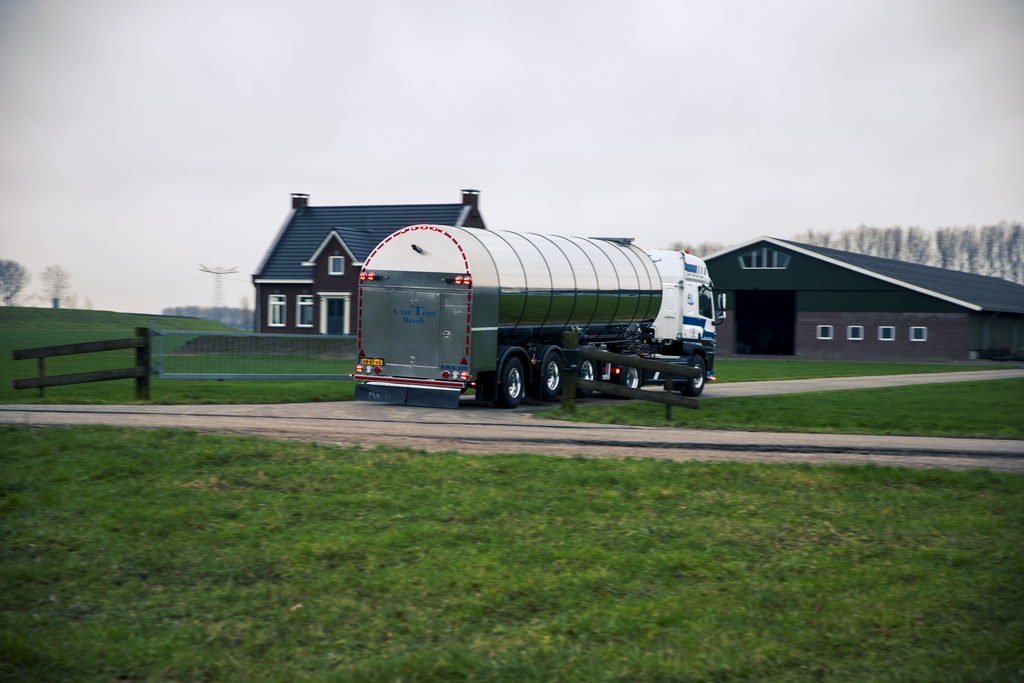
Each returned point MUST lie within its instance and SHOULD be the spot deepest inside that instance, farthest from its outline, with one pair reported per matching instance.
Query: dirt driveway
(479, 428)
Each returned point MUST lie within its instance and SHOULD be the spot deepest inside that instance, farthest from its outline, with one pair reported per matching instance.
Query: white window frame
(764, 258)
(849, 333)
(277, 302)
(919, 327)
(303, 301)
(821, 335)
(891, 337)
(335, 265)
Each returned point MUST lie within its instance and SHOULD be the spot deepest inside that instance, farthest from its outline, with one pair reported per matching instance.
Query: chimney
(471, 217)
(299, 200)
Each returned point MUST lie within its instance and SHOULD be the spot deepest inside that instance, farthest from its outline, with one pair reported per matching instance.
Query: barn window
(764, 259)
(824, 331)
(918, 334)
(855, 332)
(336, 265)
(277, 310)
(305, 311)
(886, 333)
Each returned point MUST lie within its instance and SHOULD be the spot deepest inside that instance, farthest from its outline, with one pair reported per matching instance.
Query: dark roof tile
(990, 293)
(361, 227)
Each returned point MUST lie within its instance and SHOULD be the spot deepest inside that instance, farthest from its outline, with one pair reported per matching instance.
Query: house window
(824, 331)
(764, 259)
(855, 332)
(918, 334)
(305, 311)
(336, 265)
(886, 333)
(277, 310)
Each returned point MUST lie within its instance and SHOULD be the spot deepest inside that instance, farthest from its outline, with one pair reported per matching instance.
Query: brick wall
(947, 336)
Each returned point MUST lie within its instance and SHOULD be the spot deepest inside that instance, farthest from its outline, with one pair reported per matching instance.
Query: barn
(308, 280)
(788, 298)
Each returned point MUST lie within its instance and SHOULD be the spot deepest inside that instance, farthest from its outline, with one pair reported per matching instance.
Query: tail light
(446, 374)
(464, 375)
(377, 369)
(362, 276)
(359, 368)
(458, 279)
(616, 371)
(466, 281)
(370, 276)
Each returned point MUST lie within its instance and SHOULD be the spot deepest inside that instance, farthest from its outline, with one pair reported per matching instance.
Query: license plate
(372, 361)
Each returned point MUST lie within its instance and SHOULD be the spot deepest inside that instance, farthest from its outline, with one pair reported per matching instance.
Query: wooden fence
(141, 372)
(668, 397)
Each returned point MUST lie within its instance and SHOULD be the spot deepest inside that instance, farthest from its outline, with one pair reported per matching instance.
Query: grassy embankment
(30, 327)
(22, 328)
(165, 555)
(986, 409)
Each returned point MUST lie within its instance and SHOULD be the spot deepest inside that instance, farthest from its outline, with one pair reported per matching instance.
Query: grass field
(31, 327)
(170, 556)
(989, 409)
(27, 318)
(763, 370)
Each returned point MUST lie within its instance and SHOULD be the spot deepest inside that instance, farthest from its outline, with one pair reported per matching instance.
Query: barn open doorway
(765, 321)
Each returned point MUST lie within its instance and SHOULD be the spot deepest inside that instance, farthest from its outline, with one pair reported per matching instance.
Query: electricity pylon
(218, 285)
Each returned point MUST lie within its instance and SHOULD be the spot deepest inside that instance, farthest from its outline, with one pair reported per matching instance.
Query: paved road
(479, 428)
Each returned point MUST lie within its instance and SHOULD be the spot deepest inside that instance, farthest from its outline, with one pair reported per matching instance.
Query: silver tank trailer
(525, 289)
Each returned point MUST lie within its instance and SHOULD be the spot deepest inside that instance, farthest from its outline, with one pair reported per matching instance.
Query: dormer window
(336, 265)
(764, 259)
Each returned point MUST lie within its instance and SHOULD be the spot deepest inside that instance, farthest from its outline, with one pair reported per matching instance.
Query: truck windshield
(705, 308)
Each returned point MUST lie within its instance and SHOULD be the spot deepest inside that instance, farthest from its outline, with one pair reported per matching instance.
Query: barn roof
(976, 292)
(361, 228)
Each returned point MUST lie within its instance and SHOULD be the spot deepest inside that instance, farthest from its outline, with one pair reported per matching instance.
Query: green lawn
(757, 370)
(989, 408)
(169, 391)
(170, 556)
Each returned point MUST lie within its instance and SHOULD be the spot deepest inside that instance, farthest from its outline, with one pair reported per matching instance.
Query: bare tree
(56, 281)
(13, 278)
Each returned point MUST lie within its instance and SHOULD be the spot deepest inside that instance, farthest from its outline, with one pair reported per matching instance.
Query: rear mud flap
(429, 397)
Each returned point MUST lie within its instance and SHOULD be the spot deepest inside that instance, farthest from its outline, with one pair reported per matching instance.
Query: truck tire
(694, 387)
(511, 384)
(551, 376)
(587, 370)
(631, 377)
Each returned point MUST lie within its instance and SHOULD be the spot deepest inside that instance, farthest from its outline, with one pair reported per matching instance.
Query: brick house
(309, 279)
(798, 299)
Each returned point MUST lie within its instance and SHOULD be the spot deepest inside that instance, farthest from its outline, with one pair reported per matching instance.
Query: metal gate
(243, 355)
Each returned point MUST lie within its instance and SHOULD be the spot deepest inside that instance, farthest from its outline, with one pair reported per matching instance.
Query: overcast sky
(140, 139)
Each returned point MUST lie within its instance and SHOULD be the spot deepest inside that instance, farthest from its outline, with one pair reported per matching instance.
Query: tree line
(995, 250)
(232, 317)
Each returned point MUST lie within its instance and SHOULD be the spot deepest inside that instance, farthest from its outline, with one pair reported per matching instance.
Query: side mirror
(720, 310)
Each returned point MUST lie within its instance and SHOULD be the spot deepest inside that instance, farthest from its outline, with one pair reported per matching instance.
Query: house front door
(335, 316)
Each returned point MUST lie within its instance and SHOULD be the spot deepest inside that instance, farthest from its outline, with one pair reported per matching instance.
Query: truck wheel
(551, 377)
(586, 371)
(510, 388)
(694, 387)
(630, 377)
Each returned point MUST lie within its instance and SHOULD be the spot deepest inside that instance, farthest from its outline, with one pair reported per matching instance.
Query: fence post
(669, 387)
(142, 361)
(42, 374)
(571, 358)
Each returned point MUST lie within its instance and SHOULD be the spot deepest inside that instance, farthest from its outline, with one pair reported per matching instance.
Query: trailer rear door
(413, 333)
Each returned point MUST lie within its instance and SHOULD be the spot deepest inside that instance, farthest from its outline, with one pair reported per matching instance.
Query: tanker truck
(444, 309)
